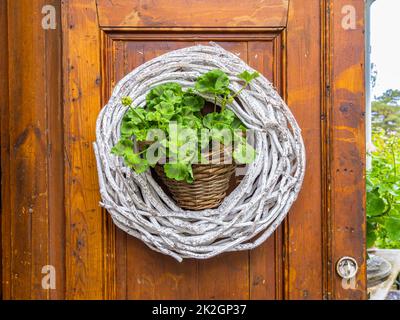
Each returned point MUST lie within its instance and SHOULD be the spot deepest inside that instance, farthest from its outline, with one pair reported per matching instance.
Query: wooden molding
(219, 13)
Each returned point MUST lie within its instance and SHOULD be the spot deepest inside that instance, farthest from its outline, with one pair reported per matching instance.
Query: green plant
(173, 120)
(216, 82)
(383, 192)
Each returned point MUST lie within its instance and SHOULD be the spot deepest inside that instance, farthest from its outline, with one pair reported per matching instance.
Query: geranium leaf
(154, 116)
(127, 129)
(192, 102)
(166, 110)
(214, 81)
(208, 120)
(122, 147)
(156, 95)
(248, 76)
(177, 171)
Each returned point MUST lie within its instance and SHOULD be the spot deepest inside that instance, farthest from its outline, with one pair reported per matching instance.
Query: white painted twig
(250, 214)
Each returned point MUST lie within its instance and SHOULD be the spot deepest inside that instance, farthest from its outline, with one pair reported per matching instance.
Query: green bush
(383, 191)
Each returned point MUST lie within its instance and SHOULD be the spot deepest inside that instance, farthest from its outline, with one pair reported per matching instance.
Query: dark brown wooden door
(317, 67)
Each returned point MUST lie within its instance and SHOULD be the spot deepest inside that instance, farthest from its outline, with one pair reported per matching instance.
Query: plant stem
(237, 93)
(135, 112)
(223, 104)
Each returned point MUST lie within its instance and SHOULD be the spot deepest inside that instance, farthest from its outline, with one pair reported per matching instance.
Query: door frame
(343, 149)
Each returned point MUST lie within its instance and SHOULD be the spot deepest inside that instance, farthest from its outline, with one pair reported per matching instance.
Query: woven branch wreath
(247, 216)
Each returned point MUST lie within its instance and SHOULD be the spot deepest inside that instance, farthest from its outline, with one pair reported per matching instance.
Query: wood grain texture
(5, 249)
(347, 146)
(85, 257)
(34, 169)
(55, 145)
(303, 229)
(265, 268)
(220, 13)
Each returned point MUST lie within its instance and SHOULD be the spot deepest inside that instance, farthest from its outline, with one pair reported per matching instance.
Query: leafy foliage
(182, 131)
(383, 192)
(216, 82)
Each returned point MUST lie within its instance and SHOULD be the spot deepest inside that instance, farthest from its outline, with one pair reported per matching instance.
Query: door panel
(287, 44)
(142, 273)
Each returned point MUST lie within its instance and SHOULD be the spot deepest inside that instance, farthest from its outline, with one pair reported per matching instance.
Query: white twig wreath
(251, 213)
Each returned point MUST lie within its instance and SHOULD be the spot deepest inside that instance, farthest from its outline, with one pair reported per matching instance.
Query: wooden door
(317, 67)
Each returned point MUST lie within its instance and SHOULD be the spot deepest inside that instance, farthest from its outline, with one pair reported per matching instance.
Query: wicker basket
(211, 182)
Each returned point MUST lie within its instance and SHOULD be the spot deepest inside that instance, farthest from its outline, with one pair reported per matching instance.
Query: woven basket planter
(240, 221)
(211, 182)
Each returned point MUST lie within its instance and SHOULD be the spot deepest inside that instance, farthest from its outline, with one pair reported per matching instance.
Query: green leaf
(168, 92)
(369, 184)
(228, 116)
(133, 123)
(141, 167)
(371, 234)
(375, 204)
(132, 158)
(208, 120)
(154, 116)
(190, 177)
(140, 133)
(214, 81)
(244, 153)
(137, 113)
(219, 121)
(123, 146)
(127, 129)
(204, 138)
(223, 136)
(191, 122)
(248, 76)
(392, 225)
(172, 97)
(237, 124)
(177, 171)
(192, 102)
(134, 161)
(166, 110)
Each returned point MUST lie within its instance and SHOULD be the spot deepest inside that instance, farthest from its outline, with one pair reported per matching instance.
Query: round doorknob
(347, 267)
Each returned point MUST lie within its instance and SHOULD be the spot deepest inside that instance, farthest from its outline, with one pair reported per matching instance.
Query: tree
(386, 111)
(374, 75)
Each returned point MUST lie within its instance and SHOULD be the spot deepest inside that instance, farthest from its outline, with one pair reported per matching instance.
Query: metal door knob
(347, 267)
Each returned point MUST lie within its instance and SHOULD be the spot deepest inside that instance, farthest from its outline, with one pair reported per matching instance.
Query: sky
(385, 44)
